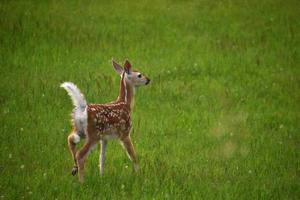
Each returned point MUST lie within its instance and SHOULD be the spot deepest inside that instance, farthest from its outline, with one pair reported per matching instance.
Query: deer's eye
(139, 76)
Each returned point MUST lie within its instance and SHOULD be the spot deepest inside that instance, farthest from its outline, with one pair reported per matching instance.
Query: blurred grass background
(220, 119)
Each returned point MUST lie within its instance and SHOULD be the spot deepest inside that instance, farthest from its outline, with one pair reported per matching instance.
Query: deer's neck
(126, 92)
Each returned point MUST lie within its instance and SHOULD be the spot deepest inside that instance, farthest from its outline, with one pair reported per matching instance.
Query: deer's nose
(148, 81)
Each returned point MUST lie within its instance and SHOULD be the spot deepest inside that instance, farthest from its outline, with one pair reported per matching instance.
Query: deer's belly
(110, 136)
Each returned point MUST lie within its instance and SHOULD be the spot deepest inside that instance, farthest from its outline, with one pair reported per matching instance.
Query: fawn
(101, 122)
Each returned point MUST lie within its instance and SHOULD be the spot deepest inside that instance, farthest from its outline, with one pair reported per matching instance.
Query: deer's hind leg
(81, 156)
(73, 139)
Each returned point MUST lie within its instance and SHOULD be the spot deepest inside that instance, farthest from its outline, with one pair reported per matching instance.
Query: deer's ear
(127, 67)
(118, 68)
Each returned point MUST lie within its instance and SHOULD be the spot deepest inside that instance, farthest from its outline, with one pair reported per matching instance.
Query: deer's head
(133, 77)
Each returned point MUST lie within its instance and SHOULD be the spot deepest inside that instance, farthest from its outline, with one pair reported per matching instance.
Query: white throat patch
(124, 82)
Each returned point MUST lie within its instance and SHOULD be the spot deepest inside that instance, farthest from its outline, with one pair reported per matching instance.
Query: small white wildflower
(126, 166)
(281, 126)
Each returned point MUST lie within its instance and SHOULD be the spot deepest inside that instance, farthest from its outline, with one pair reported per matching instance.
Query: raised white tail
(75, 94)
(80, 113)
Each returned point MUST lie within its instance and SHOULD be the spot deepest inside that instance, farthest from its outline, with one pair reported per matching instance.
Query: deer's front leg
(130, 151)
(103, 144)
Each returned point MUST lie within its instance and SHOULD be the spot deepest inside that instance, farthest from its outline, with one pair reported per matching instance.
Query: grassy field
(220, 119)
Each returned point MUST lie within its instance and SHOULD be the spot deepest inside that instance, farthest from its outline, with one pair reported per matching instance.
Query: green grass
(220, 119)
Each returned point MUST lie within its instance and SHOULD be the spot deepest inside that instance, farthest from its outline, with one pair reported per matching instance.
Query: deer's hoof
(74, 171)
